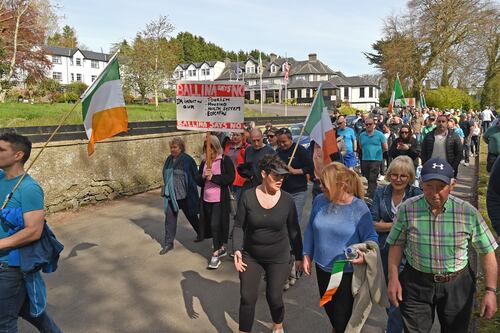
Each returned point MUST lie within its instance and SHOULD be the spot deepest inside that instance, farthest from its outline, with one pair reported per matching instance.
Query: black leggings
(212, 212)
(339, 309)
(276, 276)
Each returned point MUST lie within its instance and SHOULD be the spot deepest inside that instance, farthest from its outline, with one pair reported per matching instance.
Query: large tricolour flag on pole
(397, 93)
(103, 106)
(335, 278)
(319, 127)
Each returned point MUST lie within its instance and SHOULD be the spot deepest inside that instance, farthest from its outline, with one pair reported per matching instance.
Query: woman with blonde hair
(215, 180)
(386, 201)
(339, 219)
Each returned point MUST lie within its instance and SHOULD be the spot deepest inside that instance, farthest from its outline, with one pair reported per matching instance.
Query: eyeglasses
(395, 176)
(369, 124)
(404, 132)
(270, 135)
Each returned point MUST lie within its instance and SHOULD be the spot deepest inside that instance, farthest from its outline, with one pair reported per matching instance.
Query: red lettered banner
(214, 106)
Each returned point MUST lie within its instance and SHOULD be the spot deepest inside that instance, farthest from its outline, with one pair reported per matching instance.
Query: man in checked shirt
(434, 231)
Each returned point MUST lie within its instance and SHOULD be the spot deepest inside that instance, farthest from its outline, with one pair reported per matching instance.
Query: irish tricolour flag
(397, 94)
(319, 127)
(337, 271)
(103, 106)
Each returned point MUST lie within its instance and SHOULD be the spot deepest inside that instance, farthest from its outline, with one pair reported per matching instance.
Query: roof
(69, 52)
(352, 81)
(211, 63)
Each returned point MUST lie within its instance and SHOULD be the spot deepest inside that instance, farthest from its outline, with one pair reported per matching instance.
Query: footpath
(111, 278)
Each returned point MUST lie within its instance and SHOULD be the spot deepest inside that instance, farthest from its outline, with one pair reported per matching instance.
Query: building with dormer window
(72, 64)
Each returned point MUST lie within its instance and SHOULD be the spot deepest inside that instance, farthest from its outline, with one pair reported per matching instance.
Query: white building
(199, 71)
(70, 65)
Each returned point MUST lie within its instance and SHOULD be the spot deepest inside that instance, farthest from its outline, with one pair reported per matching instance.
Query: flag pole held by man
(103, 106)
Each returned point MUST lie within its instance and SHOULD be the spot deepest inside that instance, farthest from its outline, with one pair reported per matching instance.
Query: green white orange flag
(397, 93)
(337, 271)
(103, 106)
(319, 127)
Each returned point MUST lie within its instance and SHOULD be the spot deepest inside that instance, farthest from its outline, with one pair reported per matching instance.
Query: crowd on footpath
(401, 242)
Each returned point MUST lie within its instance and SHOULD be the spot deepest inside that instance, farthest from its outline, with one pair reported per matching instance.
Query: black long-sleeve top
(266, 234)
(413, 152)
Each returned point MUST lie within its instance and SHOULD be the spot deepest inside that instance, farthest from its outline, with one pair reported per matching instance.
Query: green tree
(67, 38)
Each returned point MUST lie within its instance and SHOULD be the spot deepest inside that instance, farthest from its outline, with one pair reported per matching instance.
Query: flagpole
(61, 122)
(260, 72)
(286, 84)
(304, 126)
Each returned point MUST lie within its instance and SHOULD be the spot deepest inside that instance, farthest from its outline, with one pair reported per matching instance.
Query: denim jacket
(381, 208)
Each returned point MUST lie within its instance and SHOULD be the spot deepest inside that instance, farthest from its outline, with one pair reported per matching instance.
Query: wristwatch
(493, 290)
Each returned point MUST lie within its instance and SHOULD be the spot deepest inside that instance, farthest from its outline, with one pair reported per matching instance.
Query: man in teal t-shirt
(15, 150)
(373, 143)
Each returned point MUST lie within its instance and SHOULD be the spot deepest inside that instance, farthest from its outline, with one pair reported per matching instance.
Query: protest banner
(210, 106)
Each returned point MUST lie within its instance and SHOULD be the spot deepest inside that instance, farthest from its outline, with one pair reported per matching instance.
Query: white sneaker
(214, 263)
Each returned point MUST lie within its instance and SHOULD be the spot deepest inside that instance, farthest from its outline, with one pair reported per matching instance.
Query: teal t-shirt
(28, 196)
(493, 136)
(371, 145)
(349, 135)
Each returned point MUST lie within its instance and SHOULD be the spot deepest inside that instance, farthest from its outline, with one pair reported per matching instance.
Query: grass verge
(23, 114)
(493, 325)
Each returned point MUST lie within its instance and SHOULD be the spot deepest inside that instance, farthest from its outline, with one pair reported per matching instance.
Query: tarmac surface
(111, 278)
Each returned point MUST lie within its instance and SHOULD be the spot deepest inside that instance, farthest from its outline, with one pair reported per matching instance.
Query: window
(273, 68)
(71, 61)
(207, 71)
(72, 77)
(79, 77)
(361, 92)
(78, 61)
(308, 93)
(250, 70)
(57, 76)
(370, 92)
(192, 72)
(203, 71)
(56, 60)
(94, 64)
(93, 77)
(346, 93)
(292, 93)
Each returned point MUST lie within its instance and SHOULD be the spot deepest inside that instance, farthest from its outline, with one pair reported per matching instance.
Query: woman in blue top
(338, 219)
(387, 199)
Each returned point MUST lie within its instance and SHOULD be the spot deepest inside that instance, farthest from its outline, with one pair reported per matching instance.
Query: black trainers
(214, 263)
(166, 249)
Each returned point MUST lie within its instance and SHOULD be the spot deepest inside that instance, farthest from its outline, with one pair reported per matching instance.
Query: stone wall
(119, 167)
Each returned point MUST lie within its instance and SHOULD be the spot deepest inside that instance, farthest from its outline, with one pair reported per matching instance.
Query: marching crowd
(402, 244)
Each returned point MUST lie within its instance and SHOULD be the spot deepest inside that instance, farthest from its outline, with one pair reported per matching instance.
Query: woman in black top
(266, 224)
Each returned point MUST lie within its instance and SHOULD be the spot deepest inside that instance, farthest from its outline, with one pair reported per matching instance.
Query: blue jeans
(300, 201)
(14, 303)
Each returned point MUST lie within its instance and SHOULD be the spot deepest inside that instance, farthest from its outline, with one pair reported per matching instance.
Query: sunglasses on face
(405, 132)
(270, 135)
(395, 176)
(369, 124)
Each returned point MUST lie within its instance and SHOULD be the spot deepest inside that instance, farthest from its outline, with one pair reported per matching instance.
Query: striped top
(439, 244)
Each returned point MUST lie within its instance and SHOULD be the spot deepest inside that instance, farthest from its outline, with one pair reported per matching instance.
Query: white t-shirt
(487, 115)
(439, 149)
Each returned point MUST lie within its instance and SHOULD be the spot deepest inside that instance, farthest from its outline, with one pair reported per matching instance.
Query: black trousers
(213, 212)
(474, 147)
(339, 309)
(171, 220)
(422, 297)
(370, 170)
(490, 160)
(276, 276)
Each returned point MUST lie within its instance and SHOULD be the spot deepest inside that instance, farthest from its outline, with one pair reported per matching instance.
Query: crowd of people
(404, 239)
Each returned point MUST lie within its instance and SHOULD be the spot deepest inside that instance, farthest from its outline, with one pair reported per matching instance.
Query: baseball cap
(279, 171)
(437, 168)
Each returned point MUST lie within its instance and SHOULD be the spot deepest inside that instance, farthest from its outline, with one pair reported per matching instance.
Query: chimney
(273, 57)
(313, 57)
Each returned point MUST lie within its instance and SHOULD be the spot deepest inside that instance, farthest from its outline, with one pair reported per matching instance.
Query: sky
(338, 31)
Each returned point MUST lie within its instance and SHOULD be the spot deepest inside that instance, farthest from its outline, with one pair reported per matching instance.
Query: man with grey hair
(254, 154)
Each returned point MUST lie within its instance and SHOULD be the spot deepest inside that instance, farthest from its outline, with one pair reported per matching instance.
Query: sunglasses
(369, 124)
(405, 132)
(270, 135)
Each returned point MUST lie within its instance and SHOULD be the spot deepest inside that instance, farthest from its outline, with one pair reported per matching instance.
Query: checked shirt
(439, 244)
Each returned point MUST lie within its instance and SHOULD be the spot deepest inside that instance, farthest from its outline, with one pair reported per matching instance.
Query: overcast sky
(337, 30)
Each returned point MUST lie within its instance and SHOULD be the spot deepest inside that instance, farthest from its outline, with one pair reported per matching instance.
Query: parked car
(305, 140)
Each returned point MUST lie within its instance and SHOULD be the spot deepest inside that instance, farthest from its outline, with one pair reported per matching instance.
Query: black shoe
(166, 249)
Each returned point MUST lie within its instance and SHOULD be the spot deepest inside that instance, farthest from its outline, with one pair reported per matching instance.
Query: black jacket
(454, 148)
(413, 152)
(224, 180)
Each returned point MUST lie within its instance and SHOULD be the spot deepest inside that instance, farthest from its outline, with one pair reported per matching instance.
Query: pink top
(211, 191)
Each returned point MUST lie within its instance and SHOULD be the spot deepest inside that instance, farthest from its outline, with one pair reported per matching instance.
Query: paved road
(111, 278)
